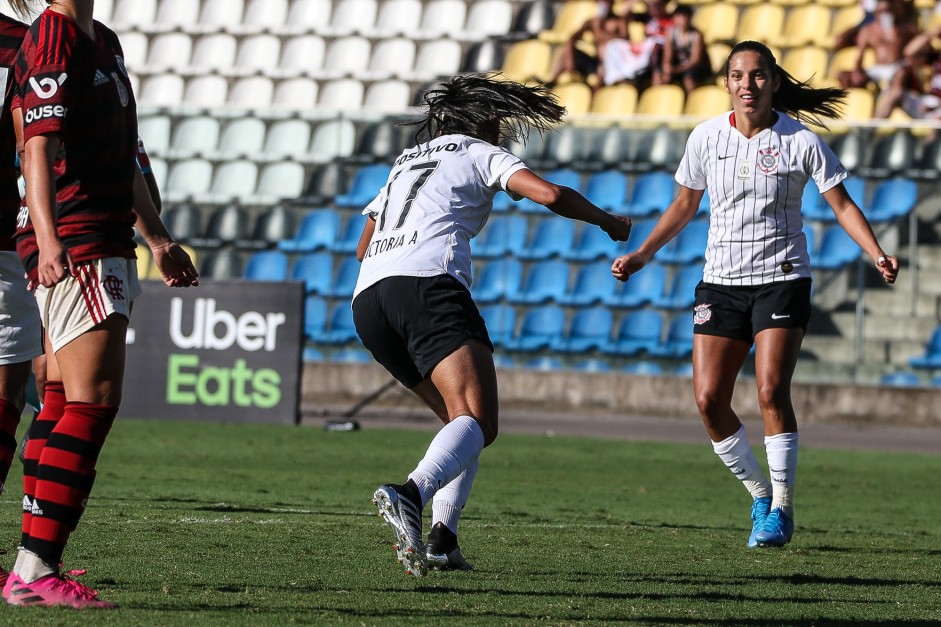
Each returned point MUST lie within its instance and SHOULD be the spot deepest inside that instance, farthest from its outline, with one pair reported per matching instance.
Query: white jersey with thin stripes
(439, 195)
(755, 188)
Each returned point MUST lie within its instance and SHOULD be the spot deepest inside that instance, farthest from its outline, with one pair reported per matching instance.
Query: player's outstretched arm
(365, 237)
(851, 218)
(568, 203)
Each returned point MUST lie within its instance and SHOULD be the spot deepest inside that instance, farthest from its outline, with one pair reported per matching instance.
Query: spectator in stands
(685, 59)
(848, 37)
(625, 60)
(910, 92)
(887, 35)
(574, 59)
(412, 306)
(76, 243)
(756, 282)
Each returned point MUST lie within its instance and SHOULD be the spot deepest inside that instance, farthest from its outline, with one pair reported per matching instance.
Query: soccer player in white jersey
(412, 305)
(755, 162)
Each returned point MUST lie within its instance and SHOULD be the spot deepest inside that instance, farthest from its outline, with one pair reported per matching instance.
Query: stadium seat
(531, 18)
(653, 192)
(349, 238)
(837, 249)
(678, 343)
(282, 180)
(262, 15)
(103, 10)
(351, 355)
(397, 18)
(680, 294)
(144, 261)
(295, 93)
(707, 101)
(718, 55)
(859, 106)
(378, 141)
(813, 206)
(155, 131)
(483, 56)
(487, 18)
(643, 368)
(615, 100)
(301, 55)
(810, 237)
(345, 279)
(657, 149)
(226, 225)
(530, 151)
(592, 244)
(892, 199)
(318, 230)
(213, 53)
(551, 238)
(569, 19)
(601, 148)
(931, 359)
(183, 221)
(901, 379)
(133, 14)
(206, 91)
(688, 246)
(662, 101)
(805, 25)
(259, 54)
(501, 322)
(267, 265)
(162, 90)
(288, 138)
(159, 167)
(391, 96)
(340, 329)
(315, 270)
(251, 92)
(233, 180)
(187, 178)
(345, 94)
(850, 149)
(242, 137)
(844, 17)
(272, 225)
(345, 56)
(497, 280)
(575, 97)
(639, 332)
(434, 59)
(219, 14)
(540, 326)
(589, 330)
(389, 58)
(308, 15)
(545, 363)
(640, 230)
(644, 287)
(564, 176)
(135, 47)
(807, 62)
(891, 155)
(593, 285)
(442, 18)
(503, 235)
(324, 183)
(223, 263)
(546, 281)
(527, 60)
(351, 16)
(717, 21)
(592, 365)
(760, 22)
(928, 165)
(366, 185)
(315, 317)
(173, 14)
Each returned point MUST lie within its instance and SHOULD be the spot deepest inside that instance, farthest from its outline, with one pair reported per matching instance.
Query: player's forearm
(37, 167)
(673, 220)
(570, 204)
(148, 223)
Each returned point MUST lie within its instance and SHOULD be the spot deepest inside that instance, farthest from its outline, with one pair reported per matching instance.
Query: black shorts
(584, 63)
(741, 312)
(410, 324)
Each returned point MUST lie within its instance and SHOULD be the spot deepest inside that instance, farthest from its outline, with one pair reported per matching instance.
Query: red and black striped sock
(52, 409)
(9, 421)
(65, 476)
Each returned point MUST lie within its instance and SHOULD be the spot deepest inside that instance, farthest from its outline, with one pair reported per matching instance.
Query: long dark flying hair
(796, 98)
(24, 8)
(478, 104)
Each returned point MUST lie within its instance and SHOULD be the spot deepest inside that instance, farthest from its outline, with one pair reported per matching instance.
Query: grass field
(251, 525)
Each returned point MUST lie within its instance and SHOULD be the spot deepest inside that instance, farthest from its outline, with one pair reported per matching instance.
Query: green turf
(229, 524)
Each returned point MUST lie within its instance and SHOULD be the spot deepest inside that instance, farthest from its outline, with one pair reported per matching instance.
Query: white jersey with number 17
(438, 196)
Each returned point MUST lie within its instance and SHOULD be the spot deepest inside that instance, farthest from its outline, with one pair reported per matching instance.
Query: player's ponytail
(25, 9)
(795, 97)
(482, 106)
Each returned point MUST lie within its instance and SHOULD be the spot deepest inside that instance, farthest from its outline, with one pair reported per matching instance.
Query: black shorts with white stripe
(742, 311)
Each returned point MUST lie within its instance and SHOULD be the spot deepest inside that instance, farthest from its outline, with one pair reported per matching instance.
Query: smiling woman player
(755, 162)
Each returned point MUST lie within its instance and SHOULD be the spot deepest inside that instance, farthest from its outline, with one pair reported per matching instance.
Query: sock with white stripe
(451, 451)
(782, 462)
(738, 457)
(450, 500)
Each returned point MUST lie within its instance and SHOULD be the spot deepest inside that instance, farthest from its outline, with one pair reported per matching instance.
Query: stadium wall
(331, 384)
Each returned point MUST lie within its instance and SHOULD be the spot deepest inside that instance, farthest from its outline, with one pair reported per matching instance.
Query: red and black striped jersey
(78, 88)
(11, 37)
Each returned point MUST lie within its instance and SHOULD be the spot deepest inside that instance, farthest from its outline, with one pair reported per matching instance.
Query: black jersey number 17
(425, 169)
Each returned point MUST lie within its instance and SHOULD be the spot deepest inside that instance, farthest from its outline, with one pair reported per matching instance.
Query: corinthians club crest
(768, 159)
(702, 314)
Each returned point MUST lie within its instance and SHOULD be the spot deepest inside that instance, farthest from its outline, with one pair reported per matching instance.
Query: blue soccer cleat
(777, 530)
(760, 508)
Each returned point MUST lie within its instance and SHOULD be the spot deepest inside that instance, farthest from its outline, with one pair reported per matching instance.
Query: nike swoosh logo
(777, 317)
(726, 157)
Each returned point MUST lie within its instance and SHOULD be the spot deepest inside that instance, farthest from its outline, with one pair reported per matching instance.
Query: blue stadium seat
(501, 322)
(504, 234)
(644, 287)
(546, 281)
(551, 237)
(856, 188)
(643, 368)
(540, 326)
(811, 236)
(341, 329)
(593, 243)
(311, 355)
(315, 316)
(653, 193)
(681, 293)
(502, 202)
(498, 279)
(345, 280)
(318, 230)
(593, 285)
(366, 185)
(678, 343)
(315, 270)
(563, 176)
(932, 357)
(837, 249)
(813, 206)
(892, 199)
(607, 189)
(901, 379)
(688, 246)
(267, 265)
(349, 239)
(593, 364)
(639, 332)
(640, 231)
(589, 330)
(703, 209)
(546, 363)
(351, 355)
(684, 369)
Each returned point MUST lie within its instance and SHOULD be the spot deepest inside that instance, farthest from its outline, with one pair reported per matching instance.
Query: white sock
(450, 452)
(449, 501)
(738, 457)
(782, 462)
(30, 567)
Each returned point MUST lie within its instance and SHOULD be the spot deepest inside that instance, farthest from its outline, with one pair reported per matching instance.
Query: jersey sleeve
(494, 164)
(691, 172)
(43, 79)
(823, 166)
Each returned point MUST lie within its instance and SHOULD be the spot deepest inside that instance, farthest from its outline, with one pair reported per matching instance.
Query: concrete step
(838, 350)
(898, 302)
(891, 327)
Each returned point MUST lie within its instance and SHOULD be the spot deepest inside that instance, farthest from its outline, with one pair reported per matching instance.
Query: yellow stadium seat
(806, 24)
(859, 106)
(154, 272)
(791, 3)
(745, 2)
(806, 62)
(615, 100)
(575, 97)
(661, 100)
(838, 4)
(528, 60)
(760, 22)
(717, 21)
(570, 18)
(144, 261)
(845, 60)
(718, 55)
(707, 101)
(843, 19)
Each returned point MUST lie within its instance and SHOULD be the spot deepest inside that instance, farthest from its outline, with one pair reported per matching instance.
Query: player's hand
(626, 265)
(618, 228)
(175, 265)
(889, 267)
(55, 264)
